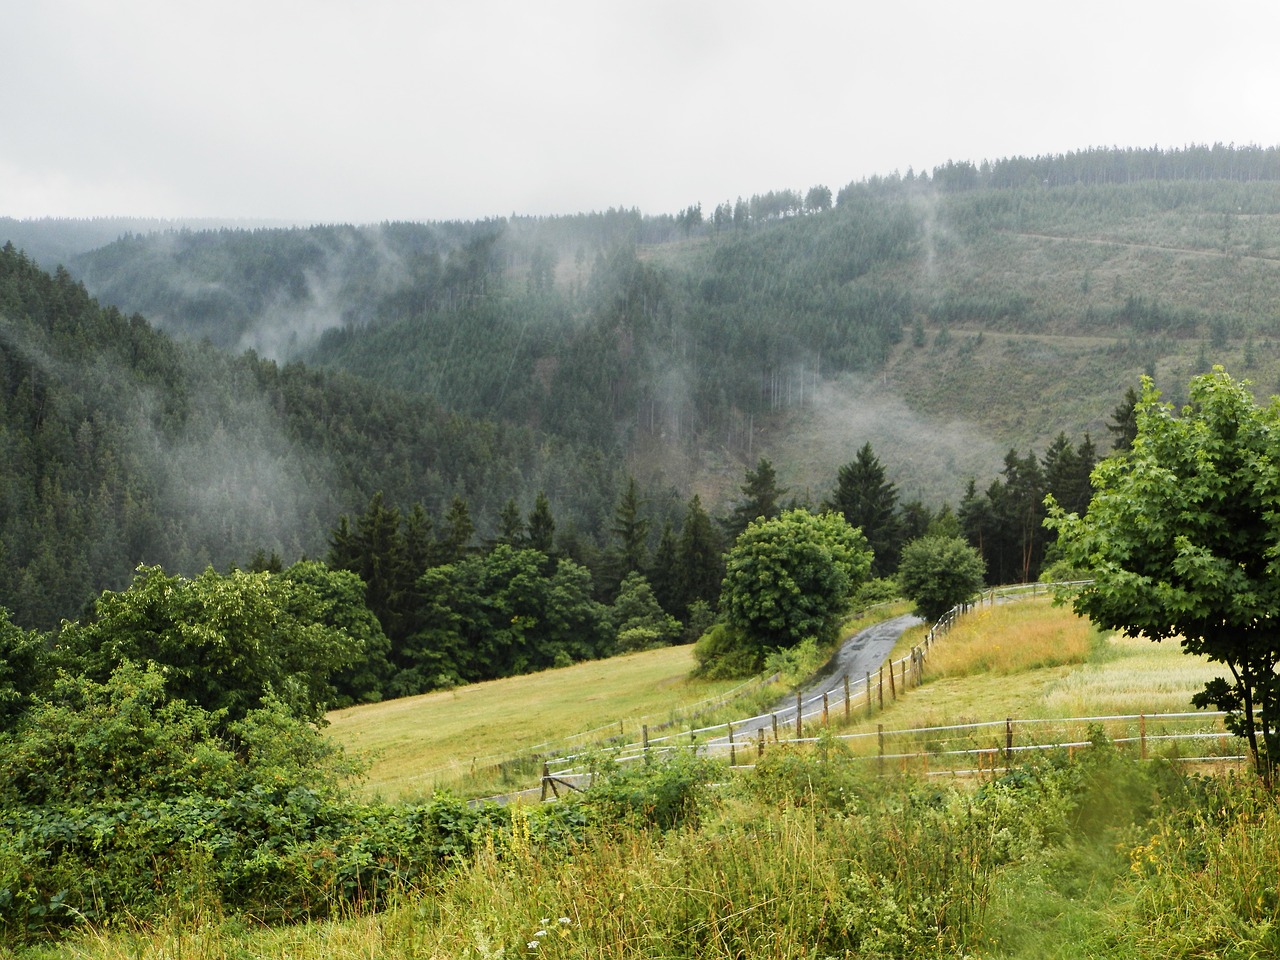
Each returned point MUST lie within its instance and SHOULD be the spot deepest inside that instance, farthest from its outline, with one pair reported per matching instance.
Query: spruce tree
(869, 502)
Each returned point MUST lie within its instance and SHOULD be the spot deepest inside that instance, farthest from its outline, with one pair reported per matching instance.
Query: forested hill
(119, 446)
(958, 321)
(943, 316)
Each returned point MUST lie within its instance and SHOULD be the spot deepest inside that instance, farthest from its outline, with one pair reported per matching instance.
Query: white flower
(533, 944)
(565, 920)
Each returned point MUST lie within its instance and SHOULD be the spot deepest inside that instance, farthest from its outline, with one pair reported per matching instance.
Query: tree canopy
(791, 577)
(938, 572)
(1182, 539)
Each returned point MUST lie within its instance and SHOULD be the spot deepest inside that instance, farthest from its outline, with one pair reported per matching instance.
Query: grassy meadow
(474, 737)
(811, 855)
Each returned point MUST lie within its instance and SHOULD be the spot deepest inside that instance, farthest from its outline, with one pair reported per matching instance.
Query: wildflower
(565, 920)
(533, 944)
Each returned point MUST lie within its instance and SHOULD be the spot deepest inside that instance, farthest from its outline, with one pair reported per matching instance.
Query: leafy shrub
(664, 793)
(725, 653)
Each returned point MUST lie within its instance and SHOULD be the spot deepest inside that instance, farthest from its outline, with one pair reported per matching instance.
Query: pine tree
(869, 502)
(457, 531)
(631, 531)
(761, 498)
(511, 529)
(699, 558)
(542, 526)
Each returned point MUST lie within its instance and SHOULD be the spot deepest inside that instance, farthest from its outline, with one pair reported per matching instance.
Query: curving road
(861, 654)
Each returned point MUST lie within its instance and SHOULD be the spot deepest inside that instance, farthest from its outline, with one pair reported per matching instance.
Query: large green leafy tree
(25, 669)
(791, 577)
(336, 598)
(936, 573)
(1182, 539)
(225, 643)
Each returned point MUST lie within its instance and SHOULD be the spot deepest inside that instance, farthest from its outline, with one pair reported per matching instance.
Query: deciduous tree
(791, 577)
(1182, 539)
(937, 573)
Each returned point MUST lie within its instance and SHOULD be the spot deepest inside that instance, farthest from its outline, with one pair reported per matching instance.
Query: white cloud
(372, 109)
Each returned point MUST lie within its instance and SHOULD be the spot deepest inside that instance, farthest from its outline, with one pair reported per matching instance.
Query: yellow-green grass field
(470, 734)
(1034, 662)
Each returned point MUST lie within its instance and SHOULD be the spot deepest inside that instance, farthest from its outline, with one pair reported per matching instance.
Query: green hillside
(945, 319)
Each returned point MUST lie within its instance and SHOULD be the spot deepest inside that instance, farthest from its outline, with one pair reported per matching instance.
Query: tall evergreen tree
(869, 502)
(631, 531)
(762, 497)
(1066, 472)
(542, 526)
(664, 575)
(1124, 422)
(699, 558)
(457, 531)
(510, 524)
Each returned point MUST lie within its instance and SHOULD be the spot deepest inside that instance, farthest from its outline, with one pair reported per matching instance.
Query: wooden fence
(971, 748)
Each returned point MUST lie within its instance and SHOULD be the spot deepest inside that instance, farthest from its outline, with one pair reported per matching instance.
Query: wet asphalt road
(861, 654)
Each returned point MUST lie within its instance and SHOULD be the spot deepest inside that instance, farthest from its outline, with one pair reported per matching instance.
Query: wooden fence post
(880, 741)
(775, 726)
(893, 688)
(880, 687)
(799, 717)
(1142, 735)
(733, 753)
(847, 705)
(825, 716)
(1008, 741)
(546, 778)
(644, 739)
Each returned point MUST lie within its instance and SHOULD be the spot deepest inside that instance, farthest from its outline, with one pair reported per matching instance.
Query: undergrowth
(807, 857)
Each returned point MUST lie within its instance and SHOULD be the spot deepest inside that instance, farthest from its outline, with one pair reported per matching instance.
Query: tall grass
(1010, 638)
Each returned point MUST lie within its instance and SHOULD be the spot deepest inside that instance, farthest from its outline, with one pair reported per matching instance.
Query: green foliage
(877, 590)
(724, 652)
(225, 643)
(792, 665)
(1199, 884)
(663, 793)
(1181, 540)
(792, 577)
(336, 598)
(638, 620)
(25, 669)
(937, 573)
(497, 615)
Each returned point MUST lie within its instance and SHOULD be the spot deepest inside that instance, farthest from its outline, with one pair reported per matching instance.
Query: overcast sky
(369, 110)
